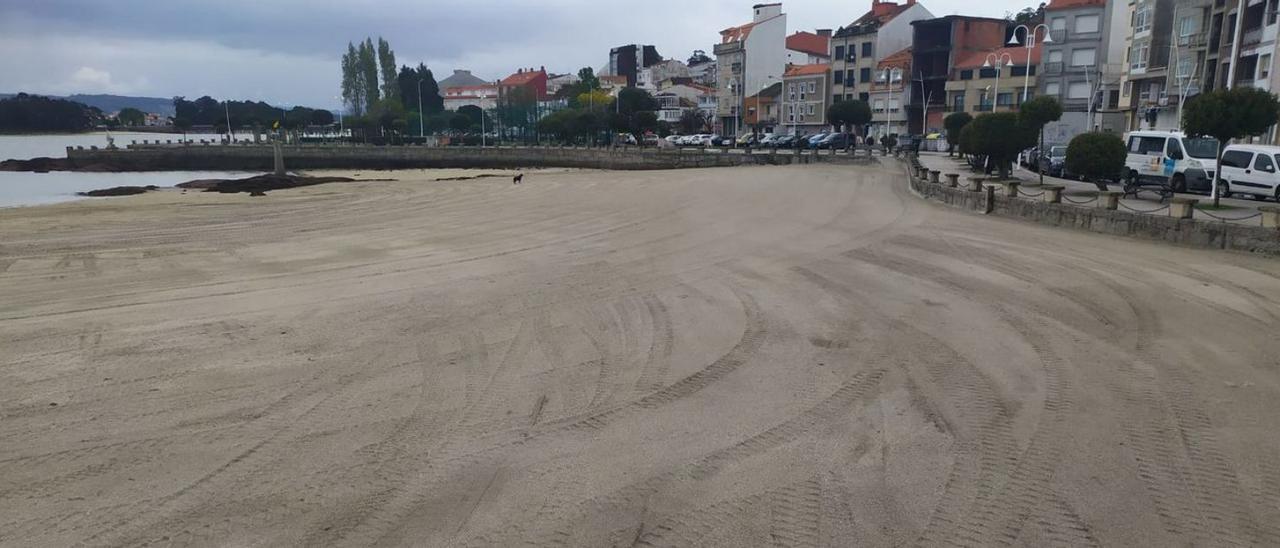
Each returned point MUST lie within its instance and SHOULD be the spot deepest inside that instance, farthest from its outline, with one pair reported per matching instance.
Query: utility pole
(231, 134)
(421, 115)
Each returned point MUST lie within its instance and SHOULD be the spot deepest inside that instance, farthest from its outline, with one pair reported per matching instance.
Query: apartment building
(809, 48)
(937, 45)
(856, 49)
(1150, 50)
(760, 112)
(1081, 68)
(806, 92)
(749, 57)
(994, 81)
(630, 59)
(890, 93)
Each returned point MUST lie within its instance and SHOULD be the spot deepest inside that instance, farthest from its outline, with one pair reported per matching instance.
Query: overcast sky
(287, 51)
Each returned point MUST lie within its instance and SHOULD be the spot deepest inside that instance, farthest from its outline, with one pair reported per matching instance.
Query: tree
(1037, 113)
(182, 124)
(1229, 114)
(999, 136)
(432, 101)
(369, 72)
(587, 78)
(955, 123)
(854, 114)
(387, 64)
(35, 113)
(1096, 156)
(352, 81)
(130, 116)
(460, 122)
(692, 121)
(1027, 16)
(593, 99)
(321, 117)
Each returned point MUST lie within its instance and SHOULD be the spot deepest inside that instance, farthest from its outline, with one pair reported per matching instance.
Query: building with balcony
(806, 94)
(702, 69)
(651, 78)
(809, 48)
(749, 58)
(484, 96)
(984, 81)
(858, 48)
(761, 110)
(1150, 49)
(1080, 67)
(890, 92)
(937, 45)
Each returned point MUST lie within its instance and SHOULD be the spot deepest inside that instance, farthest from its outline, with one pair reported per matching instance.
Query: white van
(1185, 163)
(1252, 170)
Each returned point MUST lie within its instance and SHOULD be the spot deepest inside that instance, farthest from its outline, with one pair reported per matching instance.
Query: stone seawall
(259, 158)
(1187, 232)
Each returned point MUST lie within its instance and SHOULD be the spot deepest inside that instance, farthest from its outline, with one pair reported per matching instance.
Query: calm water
(25, 188)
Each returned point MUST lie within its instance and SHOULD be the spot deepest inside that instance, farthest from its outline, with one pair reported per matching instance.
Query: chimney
(542, 68)
(824, 32)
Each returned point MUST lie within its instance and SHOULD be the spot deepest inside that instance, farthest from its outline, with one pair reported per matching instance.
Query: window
(1086, 24)
(1053, 88)
(1005, 99)
(1018, 70)
(848, 78)
(1055, 56)
(837, 77)
(1146, 145)
(966, 75)
(1264, 66)
(987, 72)
(1078, 90)
(1058, 23)
(813, 87)
(1263, 163)
(1187, 26)
(1138, 56)
(1184, 68)
(864, 96)
(1084, 57)
(879, 105)
(839, 54)
(811, 109)
(957, 101)
(837, 98)
(1128, 88)
(864, 75)
(866, 49)
(1237, 158)
(894, 105)
(1142, 19)
(1173, 149)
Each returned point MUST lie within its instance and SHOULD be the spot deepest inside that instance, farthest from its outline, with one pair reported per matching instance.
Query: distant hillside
(113, 103)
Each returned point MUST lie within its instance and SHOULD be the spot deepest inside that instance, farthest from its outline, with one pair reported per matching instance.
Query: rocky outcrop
(259, 185)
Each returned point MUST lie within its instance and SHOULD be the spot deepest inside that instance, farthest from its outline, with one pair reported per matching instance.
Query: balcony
(1051, 69)
(1196, 40)
(1251, 37)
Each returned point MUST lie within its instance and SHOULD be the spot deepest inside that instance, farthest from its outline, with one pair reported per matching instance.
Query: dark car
(836, 141)
(1053, 161)
(783, 141)
(812, 141)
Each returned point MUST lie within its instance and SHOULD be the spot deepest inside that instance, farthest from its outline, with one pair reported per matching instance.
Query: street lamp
(1031, 44)
(421, 131)
(231, 135)
(994, 59)
(781, 90)
(340, 105)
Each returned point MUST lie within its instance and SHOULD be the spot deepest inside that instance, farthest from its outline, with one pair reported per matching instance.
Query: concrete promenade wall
(1186, 232)
(259, 158)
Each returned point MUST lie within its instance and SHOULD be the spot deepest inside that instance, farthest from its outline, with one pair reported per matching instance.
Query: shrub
(998, 136)
(1096, 156)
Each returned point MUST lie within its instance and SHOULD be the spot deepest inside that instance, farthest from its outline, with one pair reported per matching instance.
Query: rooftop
(1068, 4)
(901, 59)
(523, 76)
(806, 70)
(811, 43)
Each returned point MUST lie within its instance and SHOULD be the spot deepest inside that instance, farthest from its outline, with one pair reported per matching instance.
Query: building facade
(460, 78)
(630, 59)
(1078, 69)
(651, 78)
(858, 48)
(806, 94)
(937, 45)
(977, 88)
(484, 96)
(890, 92)
(761, 109)
(749, 58)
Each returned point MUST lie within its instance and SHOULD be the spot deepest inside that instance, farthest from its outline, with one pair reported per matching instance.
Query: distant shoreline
(144, 129)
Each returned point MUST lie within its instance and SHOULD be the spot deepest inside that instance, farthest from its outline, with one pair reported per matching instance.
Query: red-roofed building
(858, 48)
(749, 58)
(533, 81)
(807, 48)
(937, 44)
(974, 85)
(806, 92)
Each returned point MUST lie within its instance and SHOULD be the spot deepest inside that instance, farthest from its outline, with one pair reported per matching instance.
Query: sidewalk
(1084, 194)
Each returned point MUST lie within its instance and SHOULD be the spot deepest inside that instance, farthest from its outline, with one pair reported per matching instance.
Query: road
(794, 355)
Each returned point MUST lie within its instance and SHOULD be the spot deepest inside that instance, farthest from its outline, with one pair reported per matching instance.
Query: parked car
(1170, 158)
(784, 141)
(674, 139)
(747, 140)
(1053, 161)
(835, 140)
(624, 139)
(813, 140)
(767, 139)
(1252, 170)
(649, 140)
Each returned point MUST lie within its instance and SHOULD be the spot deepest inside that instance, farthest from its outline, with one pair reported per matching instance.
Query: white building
(809, 48)
(750, 58)
(650, 78)
(483, 96)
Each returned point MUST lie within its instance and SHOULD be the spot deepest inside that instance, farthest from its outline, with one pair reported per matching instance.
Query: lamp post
(231, 135)
(1030, 45)
(993, 59)
(421, 126)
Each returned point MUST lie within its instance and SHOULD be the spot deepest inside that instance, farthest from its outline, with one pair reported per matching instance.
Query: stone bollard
(953, 180)
(93, 147)
(1109, 200)
(69, 151)
(1182, 208)
(933, 176)
(1010, 188)
(1270, 216)
(975, 184)
(1053, 193)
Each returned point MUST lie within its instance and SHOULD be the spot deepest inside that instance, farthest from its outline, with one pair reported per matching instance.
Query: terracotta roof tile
(806, 70)
(975, 59)
(901, 59)
(1067, 4)
(809, 42)
(522, 78)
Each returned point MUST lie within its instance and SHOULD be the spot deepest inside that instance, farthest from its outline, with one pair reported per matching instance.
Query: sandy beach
(799, 356)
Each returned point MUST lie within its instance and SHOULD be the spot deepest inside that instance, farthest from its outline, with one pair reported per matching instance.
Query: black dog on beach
(518, 179)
